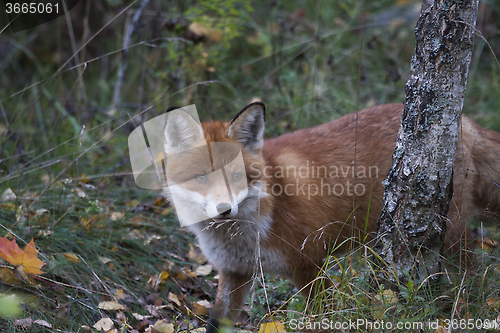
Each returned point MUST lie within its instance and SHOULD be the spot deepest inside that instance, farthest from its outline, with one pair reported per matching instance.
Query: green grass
(309, 61)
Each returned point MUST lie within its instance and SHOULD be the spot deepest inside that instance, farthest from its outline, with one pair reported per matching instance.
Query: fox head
(213, 168)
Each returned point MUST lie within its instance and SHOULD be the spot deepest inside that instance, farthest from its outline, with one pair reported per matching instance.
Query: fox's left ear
(247, 127)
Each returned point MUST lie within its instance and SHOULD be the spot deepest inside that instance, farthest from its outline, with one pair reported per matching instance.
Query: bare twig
(81, 94)
(125, 48)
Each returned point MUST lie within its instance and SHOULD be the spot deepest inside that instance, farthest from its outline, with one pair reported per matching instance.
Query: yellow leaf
(166, 211)
(85, 222)
(382, 302)
(441, 329)
(84, 179)
(196, 256)
(112, 305)
(120, 294)
(9, 206)
(71, 257)
(132, 203)
(201, 307)
(7, 276)
(272, 327)
(487, 244)
(162, 200)
(164, 276)
(493, 302)
(10, 251)
(214, 35)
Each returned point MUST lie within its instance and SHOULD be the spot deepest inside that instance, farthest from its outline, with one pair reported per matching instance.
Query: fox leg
(310, 282)
(231, 293)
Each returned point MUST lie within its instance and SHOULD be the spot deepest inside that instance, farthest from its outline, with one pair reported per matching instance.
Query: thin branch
(125, 48)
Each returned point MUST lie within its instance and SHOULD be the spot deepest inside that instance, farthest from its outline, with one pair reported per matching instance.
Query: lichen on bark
(418, 188)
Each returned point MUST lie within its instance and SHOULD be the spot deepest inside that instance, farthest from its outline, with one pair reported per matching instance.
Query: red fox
(307, 192)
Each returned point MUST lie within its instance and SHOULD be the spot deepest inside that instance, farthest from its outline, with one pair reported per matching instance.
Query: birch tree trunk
(418, 188)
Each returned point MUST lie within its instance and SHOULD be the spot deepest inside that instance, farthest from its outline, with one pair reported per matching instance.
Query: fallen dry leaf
(45, 179)
(272, 327)
(163, 326)
(164, 276)
(441, 329)
(79, 192)
(120, 294)
(84, 179)
(105, 324)
(8, 194)
(201, 307)
(116, 216)
(121, 316)
(104, 260)
(9, 206)
(21, 274)
(21, 214)
(7, 276)
(493, 302)
(196, 256)
(382, 302)
(10, 251)
(71, 257)
(161, 200)
(486, 244)
(212, 34)
(111, 305)
(42, 215)
(203, 270)
(140, 317)
(174, 299)
(153, 310)
(24, 323)
(42, 323)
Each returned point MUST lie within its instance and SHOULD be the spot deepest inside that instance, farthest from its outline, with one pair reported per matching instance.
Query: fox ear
(182, 132)
(247, 127)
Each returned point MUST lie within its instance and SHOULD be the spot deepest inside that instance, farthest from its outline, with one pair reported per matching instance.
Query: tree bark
(418, 188)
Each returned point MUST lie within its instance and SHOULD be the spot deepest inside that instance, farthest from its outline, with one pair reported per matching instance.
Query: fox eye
(236, 177)
(202, 179)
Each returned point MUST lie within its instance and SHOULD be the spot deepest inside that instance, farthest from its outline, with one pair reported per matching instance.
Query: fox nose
(223, 208)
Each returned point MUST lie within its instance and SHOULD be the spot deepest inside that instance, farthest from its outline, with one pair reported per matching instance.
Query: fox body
(306, 194)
